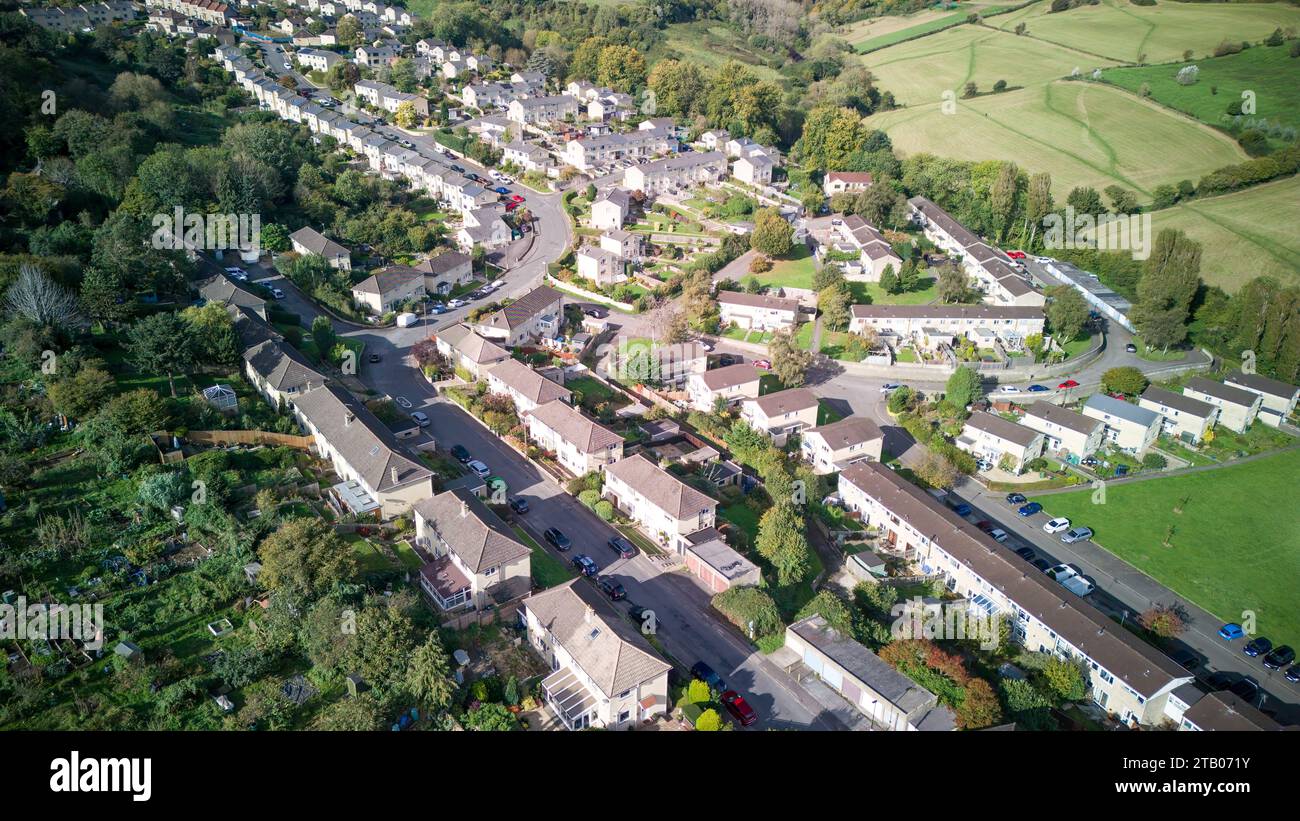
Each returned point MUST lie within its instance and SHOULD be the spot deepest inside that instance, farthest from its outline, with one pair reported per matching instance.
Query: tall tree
(1067, 312)
(790, 363)
(162, 343)
(1168, 285)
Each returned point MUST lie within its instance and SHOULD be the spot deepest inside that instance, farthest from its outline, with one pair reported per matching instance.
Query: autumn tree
(790, 362)
(773, 234)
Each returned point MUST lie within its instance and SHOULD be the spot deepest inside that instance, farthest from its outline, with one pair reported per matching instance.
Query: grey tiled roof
(664, 490)
(529, 383)
(587, 435)
(360, 438)
(471, 530)
(283, 368)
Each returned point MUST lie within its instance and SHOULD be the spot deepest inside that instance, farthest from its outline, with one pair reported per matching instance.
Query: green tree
(428, 678)
(162, 343)
(305, 556)
(773, 235)
(963, 387)
(1085, 200)
(889, 281)
(709, 721)
(833, 300)
(493, 718)
(620, 67)
(81, 394)
(1170, 280)
(1125, 379)
(781, 541)
(1065, 679)
(322, 333)
(361, 713)
(1067, 312)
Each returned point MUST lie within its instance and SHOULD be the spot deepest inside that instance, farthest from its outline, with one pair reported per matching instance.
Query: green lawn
(739, 515)
(927, 27)
(1233, 547)
(827, 414)
(870, 293)
(792, 271)
(547, 571)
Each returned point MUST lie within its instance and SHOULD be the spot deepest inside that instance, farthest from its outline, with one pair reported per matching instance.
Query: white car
(277, 293)
(481, 470)
(1010, 389)
(1042, 260)
(890, 387)
(1057, 525)
(1062, 572)
(999, 535)
(457, 303)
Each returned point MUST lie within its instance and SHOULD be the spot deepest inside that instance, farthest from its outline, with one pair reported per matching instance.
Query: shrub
(709, 721)
(1154, 461)
(589, 498)
(697, 692)
(604, 509)
(745, 605)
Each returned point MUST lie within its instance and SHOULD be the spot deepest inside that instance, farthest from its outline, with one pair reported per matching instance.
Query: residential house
(580, 444)
(528, 156)
(600, 266)
(388, 98)
(604, 672)
(482, 227)
(1220, 711)
(466, 350)
(755, 169)
(1184, 418)
(989, 436)
(446, 271)
(733, 384)
(846, 182)
(679, 171)
(715, 139)
(757, 312)
(543, 110)
(538, 313)
(664, 506)
(377, 54)
(389, 288)
(278, 371)
(998, 275)
(610, 210)
(891, 700)
(1237, 406)
(625, 245)
(478, 560)
(362, 449)
(1126, 676)
(781, 413)
(225, 291)
(526, 387)
(1010, 324)
(1065, 431)
(875, 253)
(1278, 399)
(318, 59)
(835, 446)
(311, 241)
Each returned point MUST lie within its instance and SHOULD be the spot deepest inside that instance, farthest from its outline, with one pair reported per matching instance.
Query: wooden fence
(249, 437)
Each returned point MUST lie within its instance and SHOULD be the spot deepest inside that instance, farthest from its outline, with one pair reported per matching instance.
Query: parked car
(585, 565)
(726, 359)
(611, 588)
(1258, 646)
(1041, 564)
(1185, 659)
(457, 169)
(1293, 673)
(1025, 553)
(705, 674)
(1079, 585)
(890, 387)
(481, 470)
(1061, 572)
(517, 198)
(421, 418)
(277, 293)
(1016, 499)
(962, 509)
(763, 363)
(1016, 254)
(557, 539)
(985, 526)
(374, 357)
(456, 303)
(739, 708)
(622, 547)
(1056, 525)
(1130, 348)
(1231, 632)
(1009, 389)
(999, 535)
(1076, 534)
(1067, 384)
(460, 453)
(519, 505)
(501, 189)
(1030, 509)
(1280, 657)
(1038, 388)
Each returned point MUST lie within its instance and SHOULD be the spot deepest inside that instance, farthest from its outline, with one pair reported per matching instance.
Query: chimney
(464, 508)
(393, 473)
(348, 417)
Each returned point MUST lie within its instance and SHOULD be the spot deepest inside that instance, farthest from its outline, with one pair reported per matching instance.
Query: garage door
(833, 676)
(813, 660)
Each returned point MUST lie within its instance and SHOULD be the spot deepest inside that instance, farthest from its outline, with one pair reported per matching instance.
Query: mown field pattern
(1121, 31)
(1082, 133)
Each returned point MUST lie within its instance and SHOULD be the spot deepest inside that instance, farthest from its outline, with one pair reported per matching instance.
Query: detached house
(988, 436)
(466, 349)
(478, 560)
(580, 444)
(782, 413)
(379, 473)
(839, 444)
(757, 312)
(538, 313)
(664, 506)
(445, 271)
(1277, 398)
(311, 241)
(610, 210)
(600, 266)
(225, 291)
(732, 383)
(841, 182)
(1238, 407)
(604, 672)
(1065, 431)
(526, 387)
(1184, 418)
(388, 288)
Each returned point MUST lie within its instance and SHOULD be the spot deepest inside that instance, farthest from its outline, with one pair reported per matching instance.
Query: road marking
(402, 400)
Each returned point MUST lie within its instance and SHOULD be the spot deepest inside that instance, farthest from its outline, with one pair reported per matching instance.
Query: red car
(739, 708)
(1069, 383)
(1016, 254)
(985, 526)
(517, 198)
(510, 206)
(763, 363)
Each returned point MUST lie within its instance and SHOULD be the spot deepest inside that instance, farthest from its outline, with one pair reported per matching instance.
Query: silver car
(1076, 534)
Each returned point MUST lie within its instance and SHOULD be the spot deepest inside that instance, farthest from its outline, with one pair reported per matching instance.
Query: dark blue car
(962, 509)
(706, 674)
(585, 565)
(1030, 509)
(1038, 388)
(501, 189)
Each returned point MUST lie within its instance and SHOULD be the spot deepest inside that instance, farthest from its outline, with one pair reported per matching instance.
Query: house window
(624, 716)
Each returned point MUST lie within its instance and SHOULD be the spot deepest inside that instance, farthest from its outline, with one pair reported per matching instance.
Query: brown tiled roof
(1226, 711)
(529, 383)
(1003, 429)
(588, 435)
(471, 530)
(664, 490)
(851, 430)
(523, 310)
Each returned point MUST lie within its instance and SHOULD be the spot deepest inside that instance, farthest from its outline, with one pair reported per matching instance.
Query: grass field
(1081, 133)
(1233, 546)
(710, 43)
(922, 23)
(795, 271)
(1270, 73)
(1243, 235)
(1121, 31)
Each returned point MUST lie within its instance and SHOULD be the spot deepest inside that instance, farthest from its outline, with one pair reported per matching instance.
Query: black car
(1025, 553)
(1293, 673)
(1041, 564)
(1186, 659)
(622, 547)
(706, 674)
(1246, 689)
(1258, 647)
(461, 454)
(726, 359)
(1130, 348)
(638, 613)
(1016, 499)
(557, 539)
(611, 588)
(1279, 658)
(519, 505)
